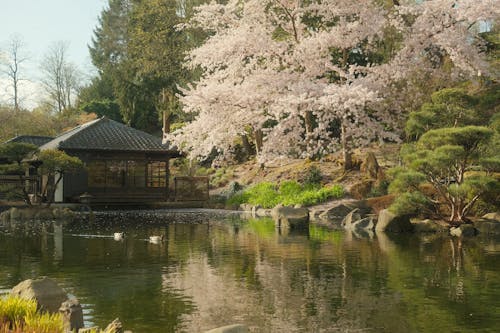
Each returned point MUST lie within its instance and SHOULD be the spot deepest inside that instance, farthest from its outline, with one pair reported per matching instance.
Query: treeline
(139, 50)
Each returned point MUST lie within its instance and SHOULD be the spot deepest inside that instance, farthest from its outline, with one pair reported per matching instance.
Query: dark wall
(77, 184)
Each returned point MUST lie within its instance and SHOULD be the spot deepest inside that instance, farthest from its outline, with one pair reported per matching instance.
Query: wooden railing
(191, 188)
(13, 183)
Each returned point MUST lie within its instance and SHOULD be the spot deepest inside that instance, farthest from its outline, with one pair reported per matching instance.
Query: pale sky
(42, 22)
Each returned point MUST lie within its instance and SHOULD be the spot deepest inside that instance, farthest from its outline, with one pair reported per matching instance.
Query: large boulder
(341, 209)
(428, 226)
(236, 328)
(5, 218)
(246, 207)
(492, 216)
(48, 295)
(72, 315)
(290, 217)
(354, 221)
(370, 166)
(389, 222)
(463, 230)
(361, 189)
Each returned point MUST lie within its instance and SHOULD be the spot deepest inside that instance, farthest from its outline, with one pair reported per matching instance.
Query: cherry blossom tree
(305, 78)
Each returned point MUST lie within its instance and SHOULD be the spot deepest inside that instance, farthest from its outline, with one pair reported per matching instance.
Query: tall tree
(61, 77)
(12, 67)
(138, 48)
(316, 75)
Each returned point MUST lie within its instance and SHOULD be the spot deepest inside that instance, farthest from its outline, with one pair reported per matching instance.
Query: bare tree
(61, 78)
(12, 62)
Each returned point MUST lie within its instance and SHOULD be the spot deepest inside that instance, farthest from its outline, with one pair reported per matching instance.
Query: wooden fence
(191, 188)
(11, 185)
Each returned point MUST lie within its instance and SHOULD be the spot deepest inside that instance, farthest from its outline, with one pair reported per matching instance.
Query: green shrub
(263, 194)
(313, 176)
(289, 193)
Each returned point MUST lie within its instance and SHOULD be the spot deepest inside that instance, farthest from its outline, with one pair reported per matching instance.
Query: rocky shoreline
(348, 214)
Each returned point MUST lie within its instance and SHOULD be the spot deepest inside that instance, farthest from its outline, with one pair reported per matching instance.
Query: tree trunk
(247, 147)
(50, 198)
(346, 151)
(259, 139)
(308, 118)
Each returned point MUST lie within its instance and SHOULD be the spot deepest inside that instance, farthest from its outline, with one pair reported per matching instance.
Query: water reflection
(207, 275)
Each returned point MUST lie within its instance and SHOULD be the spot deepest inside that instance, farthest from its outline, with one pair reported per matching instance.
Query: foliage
(305, 77)
(268, 195)
(139, 53)
(13, 154)
(450, 107)
(20, 315)
(445, 159)
(221, 177)
(104, 107)
(313, 176)
(56, 163)
(14, 309)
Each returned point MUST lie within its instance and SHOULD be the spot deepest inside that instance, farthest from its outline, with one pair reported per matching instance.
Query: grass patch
(268, 195)
(20, 315)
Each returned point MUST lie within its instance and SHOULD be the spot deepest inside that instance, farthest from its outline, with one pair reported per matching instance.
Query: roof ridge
(81, 127)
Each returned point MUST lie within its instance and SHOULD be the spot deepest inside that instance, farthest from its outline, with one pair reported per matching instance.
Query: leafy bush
(454, 163)
(313, 176)
(268, 194)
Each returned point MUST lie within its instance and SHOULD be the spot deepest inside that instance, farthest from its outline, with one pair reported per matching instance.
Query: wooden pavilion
(123, 164)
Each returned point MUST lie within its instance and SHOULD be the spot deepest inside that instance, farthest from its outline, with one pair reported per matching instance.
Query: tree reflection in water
(222, 272)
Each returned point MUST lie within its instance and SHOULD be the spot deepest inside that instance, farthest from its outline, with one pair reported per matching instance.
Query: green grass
(268, 195)
(20, 315)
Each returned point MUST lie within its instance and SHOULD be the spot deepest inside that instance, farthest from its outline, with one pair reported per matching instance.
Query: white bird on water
(118, 236)
(156, 239)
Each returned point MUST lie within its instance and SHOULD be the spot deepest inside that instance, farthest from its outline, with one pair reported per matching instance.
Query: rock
(428, 226)
(246, 207)
(389, 222)
(92, 329)
(72, 314)
(314, 213)
(354, 221)
(262, 212)
(289, 217)
(361, 189)
(15, 213)
(463, 230)
(5, 217)
(237, 328)
(114, 327)
(337, 212)
(350, 219)
(298, 206)
(64, 214)
(255, 209)
(370, 166)
(488, 227)
(492, 216)
(45, 291)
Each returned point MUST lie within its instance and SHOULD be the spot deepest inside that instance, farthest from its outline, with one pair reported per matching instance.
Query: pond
(225, 271)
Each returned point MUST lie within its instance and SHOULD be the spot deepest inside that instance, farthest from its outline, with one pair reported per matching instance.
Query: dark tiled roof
(32, 139)
(109, 135)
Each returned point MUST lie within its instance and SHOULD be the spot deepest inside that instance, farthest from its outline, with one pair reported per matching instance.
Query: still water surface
(223, 272)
